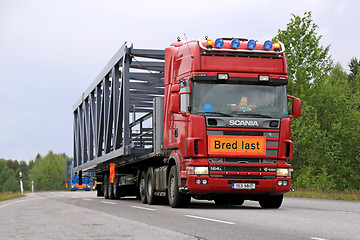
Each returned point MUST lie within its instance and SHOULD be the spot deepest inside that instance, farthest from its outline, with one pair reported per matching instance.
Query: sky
(51, 50)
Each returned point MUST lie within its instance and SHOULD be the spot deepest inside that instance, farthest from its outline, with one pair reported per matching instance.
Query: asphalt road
(81, 215)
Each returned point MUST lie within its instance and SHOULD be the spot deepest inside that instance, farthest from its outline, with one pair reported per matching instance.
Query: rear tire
(271, 202)
(110, 189)
(116, 189)
(150, 187)
(105, 186)
(142, 187)
(99, 192)
(176, 198)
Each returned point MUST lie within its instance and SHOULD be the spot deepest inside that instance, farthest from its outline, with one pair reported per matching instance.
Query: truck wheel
(150, 187)
(116, 188)
(271, 201)
(110, 188)
(176, 198)
(106, 188)
(142, 187)
(99, 191)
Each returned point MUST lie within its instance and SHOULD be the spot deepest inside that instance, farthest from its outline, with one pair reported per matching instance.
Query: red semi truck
(203, 119)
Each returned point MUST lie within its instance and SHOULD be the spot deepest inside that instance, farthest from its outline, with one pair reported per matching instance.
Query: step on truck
(201, 119)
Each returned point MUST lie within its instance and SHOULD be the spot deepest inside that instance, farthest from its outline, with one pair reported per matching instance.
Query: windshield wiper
(219, 113)
(254, 115)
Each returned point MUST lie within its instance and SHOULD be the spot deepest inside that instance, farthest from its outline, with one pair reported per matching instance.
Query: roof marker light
(268, 45)
(277, 46)
(235, 43)
(219, 43)
(209, 43)
(251, 44)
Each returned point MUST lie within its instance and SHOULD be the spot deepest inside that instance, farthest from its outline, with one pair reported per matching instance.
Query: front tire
(271, 202)
(176, 198)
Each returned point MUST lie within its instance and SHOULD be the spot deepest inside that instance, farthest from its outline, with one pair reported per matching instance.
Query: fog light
(201, 181)
(223, 76)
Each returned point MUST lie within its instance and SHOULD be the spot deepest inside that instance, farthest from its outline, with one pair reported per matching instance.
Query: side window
(184, 96)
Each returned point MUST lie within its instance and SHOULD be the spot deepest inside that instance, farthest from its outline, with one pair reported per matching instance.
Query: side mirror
(175, 99)
(175, 103)
(296, 107)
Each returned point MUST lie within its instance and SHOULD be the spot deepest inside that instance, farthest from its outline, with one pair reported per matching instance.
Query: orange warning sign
(235, 145)
(112, 172)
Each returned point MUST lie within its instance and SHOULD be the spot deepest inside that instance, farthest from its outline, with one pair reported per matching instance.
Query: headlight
(197, 170)
(283, 172)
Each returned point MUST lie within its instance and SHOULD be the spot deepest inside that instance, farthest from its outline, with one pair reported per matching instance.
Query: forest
(326, 153)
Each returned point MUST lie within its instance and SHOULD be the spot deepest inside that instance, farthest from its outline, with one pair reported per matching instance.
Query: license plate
(246, 186)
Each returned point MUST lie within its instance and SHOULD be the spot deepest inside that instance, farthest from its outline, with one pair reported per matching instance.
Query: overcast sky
(51, 50)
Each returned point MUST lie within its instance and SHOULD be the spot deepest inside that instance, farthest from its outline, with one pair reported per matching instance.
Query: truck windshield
(234, 99)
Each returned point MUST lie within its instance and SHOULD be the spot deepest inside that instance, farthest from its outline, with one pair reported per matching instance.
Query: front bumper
(224, 186)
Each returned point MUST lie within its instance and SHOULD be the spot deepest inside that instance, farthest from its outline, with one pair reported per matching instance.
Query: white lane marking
(19, 201)
(74, 197)
(87, 199)
(344, 212)
(210, 219)
(316, 238)
(108, 202)
(144, 208)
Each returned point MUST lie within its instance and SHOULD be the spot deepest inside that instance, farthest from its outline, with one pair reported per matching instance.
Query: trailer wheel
(150, 187)
(271, 201)
(176, 198)
(142, 187)
(110, 188)
(105, 185)
(99, 191)
(116, 188)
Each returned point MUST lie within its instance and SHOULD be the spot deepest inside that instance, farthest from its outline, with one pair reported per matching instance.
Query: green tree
(354, 75)
(308, 62)
(11, 184)
(48, 173)
(8, 180)
(327, 157)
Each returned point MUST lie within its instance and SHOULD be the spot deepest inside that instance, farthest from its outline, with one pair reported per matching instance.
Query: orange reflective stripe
(112, 172)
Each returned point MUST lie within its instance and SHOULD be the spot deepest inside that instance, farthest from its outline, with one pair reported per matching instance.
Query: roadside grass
(10, 195)
(322, 194)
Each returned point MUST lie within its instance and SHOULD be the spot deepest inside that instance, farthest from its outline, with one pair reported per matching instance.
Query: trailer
(201, 119)
(76, 182)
